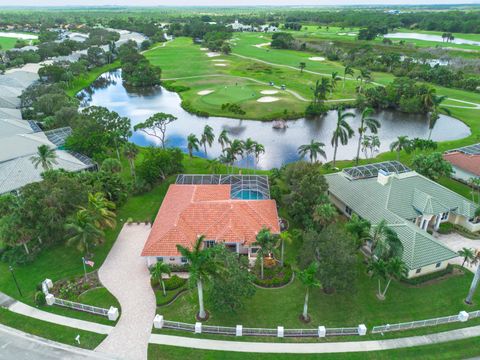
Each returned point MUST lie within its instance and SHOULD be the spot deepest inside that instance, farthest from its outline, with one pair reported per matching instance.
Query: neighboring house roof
(22, 145)
(10, 127)
(402, 199)
(16, 173)
(464, 161)
(189, 211)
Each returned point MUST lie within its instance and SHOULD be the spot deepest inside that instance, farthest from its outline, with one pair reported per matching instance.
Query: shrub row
(424, 278)
(275, 277)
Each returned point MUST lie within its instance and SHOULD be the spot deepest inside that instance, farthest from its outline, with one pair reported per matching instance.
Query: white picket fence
(81, 307)
(239, 330)
(461, 317)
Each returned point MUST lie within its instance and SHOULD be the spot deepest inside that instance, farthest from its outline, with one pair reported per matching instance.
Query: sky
(226, 2)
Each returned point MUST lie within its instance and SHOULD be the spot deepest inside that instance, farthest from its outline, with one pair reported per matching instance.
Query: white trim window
(445, 216)
(209, 243)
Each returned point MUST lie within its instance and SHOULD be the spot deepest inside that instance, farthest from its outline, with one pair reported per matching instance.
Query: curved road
(125, 274)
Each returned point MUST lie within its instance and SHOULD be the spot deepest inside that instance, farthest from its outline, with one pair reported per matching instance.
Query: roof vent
(384, 177)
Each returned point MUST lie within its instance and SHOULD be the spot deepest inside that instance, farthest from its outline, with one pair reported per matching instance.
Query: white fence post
(322, 332)
(112, 313)
(158, 321)
(49, 283)
(50, 299)
(238, 330)
(280, 331)
(198, 328)
(362, 330)
(463, 316)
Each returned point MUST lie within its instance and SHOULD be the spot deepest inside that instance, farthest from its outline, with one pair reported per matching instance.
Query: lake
(280, 145)
(427, 37)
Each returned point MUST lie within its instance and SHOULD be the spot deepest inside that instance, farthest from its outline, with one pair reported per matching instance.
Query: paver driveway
(125, 274)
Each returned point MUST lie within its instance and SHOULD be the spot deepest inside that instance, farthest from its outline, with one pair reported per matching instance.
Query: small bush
(174, 282)
(446, 228)
(233, 108)
(40, 298)
(424, 278)
(179, 268)
(154, 282)
(274, 277)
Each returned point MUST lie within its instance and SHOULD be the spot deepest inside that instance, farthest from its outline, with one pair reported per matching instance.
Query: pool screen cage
(240, 184)
(372, 170)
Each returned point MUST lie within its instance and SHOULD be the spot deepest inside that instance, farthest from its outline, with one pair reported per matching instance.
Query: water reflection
(427, 37)
(280, 145)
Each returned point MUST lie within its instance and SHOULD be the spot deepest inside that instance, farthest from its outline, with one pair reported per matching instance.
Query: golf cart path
(125, 274)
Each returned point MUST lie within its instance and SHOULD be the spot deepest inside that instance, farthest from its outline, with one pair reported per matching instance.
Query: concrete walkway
(315, 348)
(18, 345)
(456, 242)
(125, 274)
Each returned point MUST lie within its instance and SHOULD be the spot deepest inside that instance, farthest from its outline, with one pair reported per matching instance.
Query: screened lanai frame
(468, 150)
(242, 186)
(58, 136)
(372, 170)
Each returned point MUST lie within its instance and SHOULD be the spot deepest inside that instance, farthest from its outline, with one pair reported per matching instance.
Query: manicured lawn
(273, 307)
(7, 43)
(450, 350)
(100, 297)
(63, 334)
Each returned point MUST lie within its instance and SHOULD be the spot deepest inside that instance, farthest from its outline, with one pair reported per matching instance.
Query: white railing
(81, 307)
(461, 317)
(259, 332)
(178, 325)
(341, 331)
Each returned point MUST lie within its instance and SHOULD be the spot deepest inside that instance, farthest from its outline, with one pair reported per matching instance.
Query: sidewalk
(315, 348)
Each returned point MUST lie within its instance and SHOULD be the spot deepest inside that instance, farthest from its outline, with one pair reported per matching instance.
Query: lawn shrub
(174, 282)
(171, 86)
(179, 268)
(154, 282)
(274, 277)
(233, 108)
(445, 228)
(424, 278)
(40, 298)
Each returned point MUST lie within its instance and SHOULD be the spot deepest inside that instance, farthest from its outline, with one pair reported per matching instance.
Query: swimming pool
(248, 195)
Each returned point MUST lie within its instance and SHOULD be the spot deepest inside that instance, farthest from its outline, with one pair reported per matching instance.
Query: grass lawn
(449, 350)
(100, 297)
(7, 43)
(63, 334)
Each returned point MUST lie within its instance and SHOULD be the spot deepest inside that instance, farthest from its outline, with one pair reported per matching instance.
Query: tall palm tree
(359, 228)
(467, 254)
(207, 137)
(342, 133)
(322, 87)
(384, 242)
(314, 149)
(309, 280)
(366, 123)
(266, 244)
(388, 270)
(258, 150)
(192, 144)
(284, 237)
(130, 151)
(202, 268)
(45, 157)
(213, 165)
(402, 143)
(333, 81)
(473, 286)
(237, 148)
(101, 210)
(249, 147)
(223, 139)
(347, 71)
(158, 270)
(324, 214)
(365, 77)
(82, 231)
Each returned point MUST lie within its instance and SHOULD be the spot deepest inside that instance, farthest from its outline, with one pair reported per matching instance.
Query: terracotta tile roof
(192, 210)
(470, 163)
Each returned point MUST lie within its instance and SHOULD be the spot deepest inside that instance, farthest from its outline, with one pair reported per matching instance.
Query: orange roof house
(467, 162)
(189, 211)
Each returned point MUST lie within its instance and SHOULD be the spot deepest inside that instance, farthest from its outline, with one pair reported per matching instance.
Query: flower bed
(273, 277)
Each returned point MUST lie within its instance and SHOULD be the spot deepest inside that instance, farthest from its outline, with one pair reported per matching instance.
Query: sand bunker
(267, 99)
(213, 54)
(204, 49)
(317, 58)
(219, 60)
(262, 45)
(269, 92)
(220, 64)
(18, 35)
(205, 92)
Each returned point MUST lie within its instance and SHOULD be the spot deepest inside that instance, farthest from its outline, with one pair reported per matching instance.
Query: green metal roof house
(410, 203)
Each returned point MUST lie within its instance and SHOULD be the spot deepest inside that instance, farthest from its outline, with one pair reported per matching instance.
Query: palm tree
(364, 78)
(82, 231)
(314, 149)
(393, 268)
(258, 150)
(333, 81)
(347, 71)
(342, 131)
(193, 144)
(202, 267)
(384, 242)
(324, 214)
(302, 66)
(473, 286)
(322, 87)
(223, 139)
(467, 254)
(213, 165)
(309, 280)
(402, 143)
(130, 151)
(157, 271)
(45, 156)
(249, 147)
(237, 148)
(207, 137)
(284, 237)
(101, 210)
(366, 123)
(359, 228)
(266, 243)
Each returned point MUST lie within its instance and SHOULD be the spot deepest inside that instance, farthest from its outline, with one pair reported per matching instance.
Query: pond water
(427, 37)
(280, 145)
